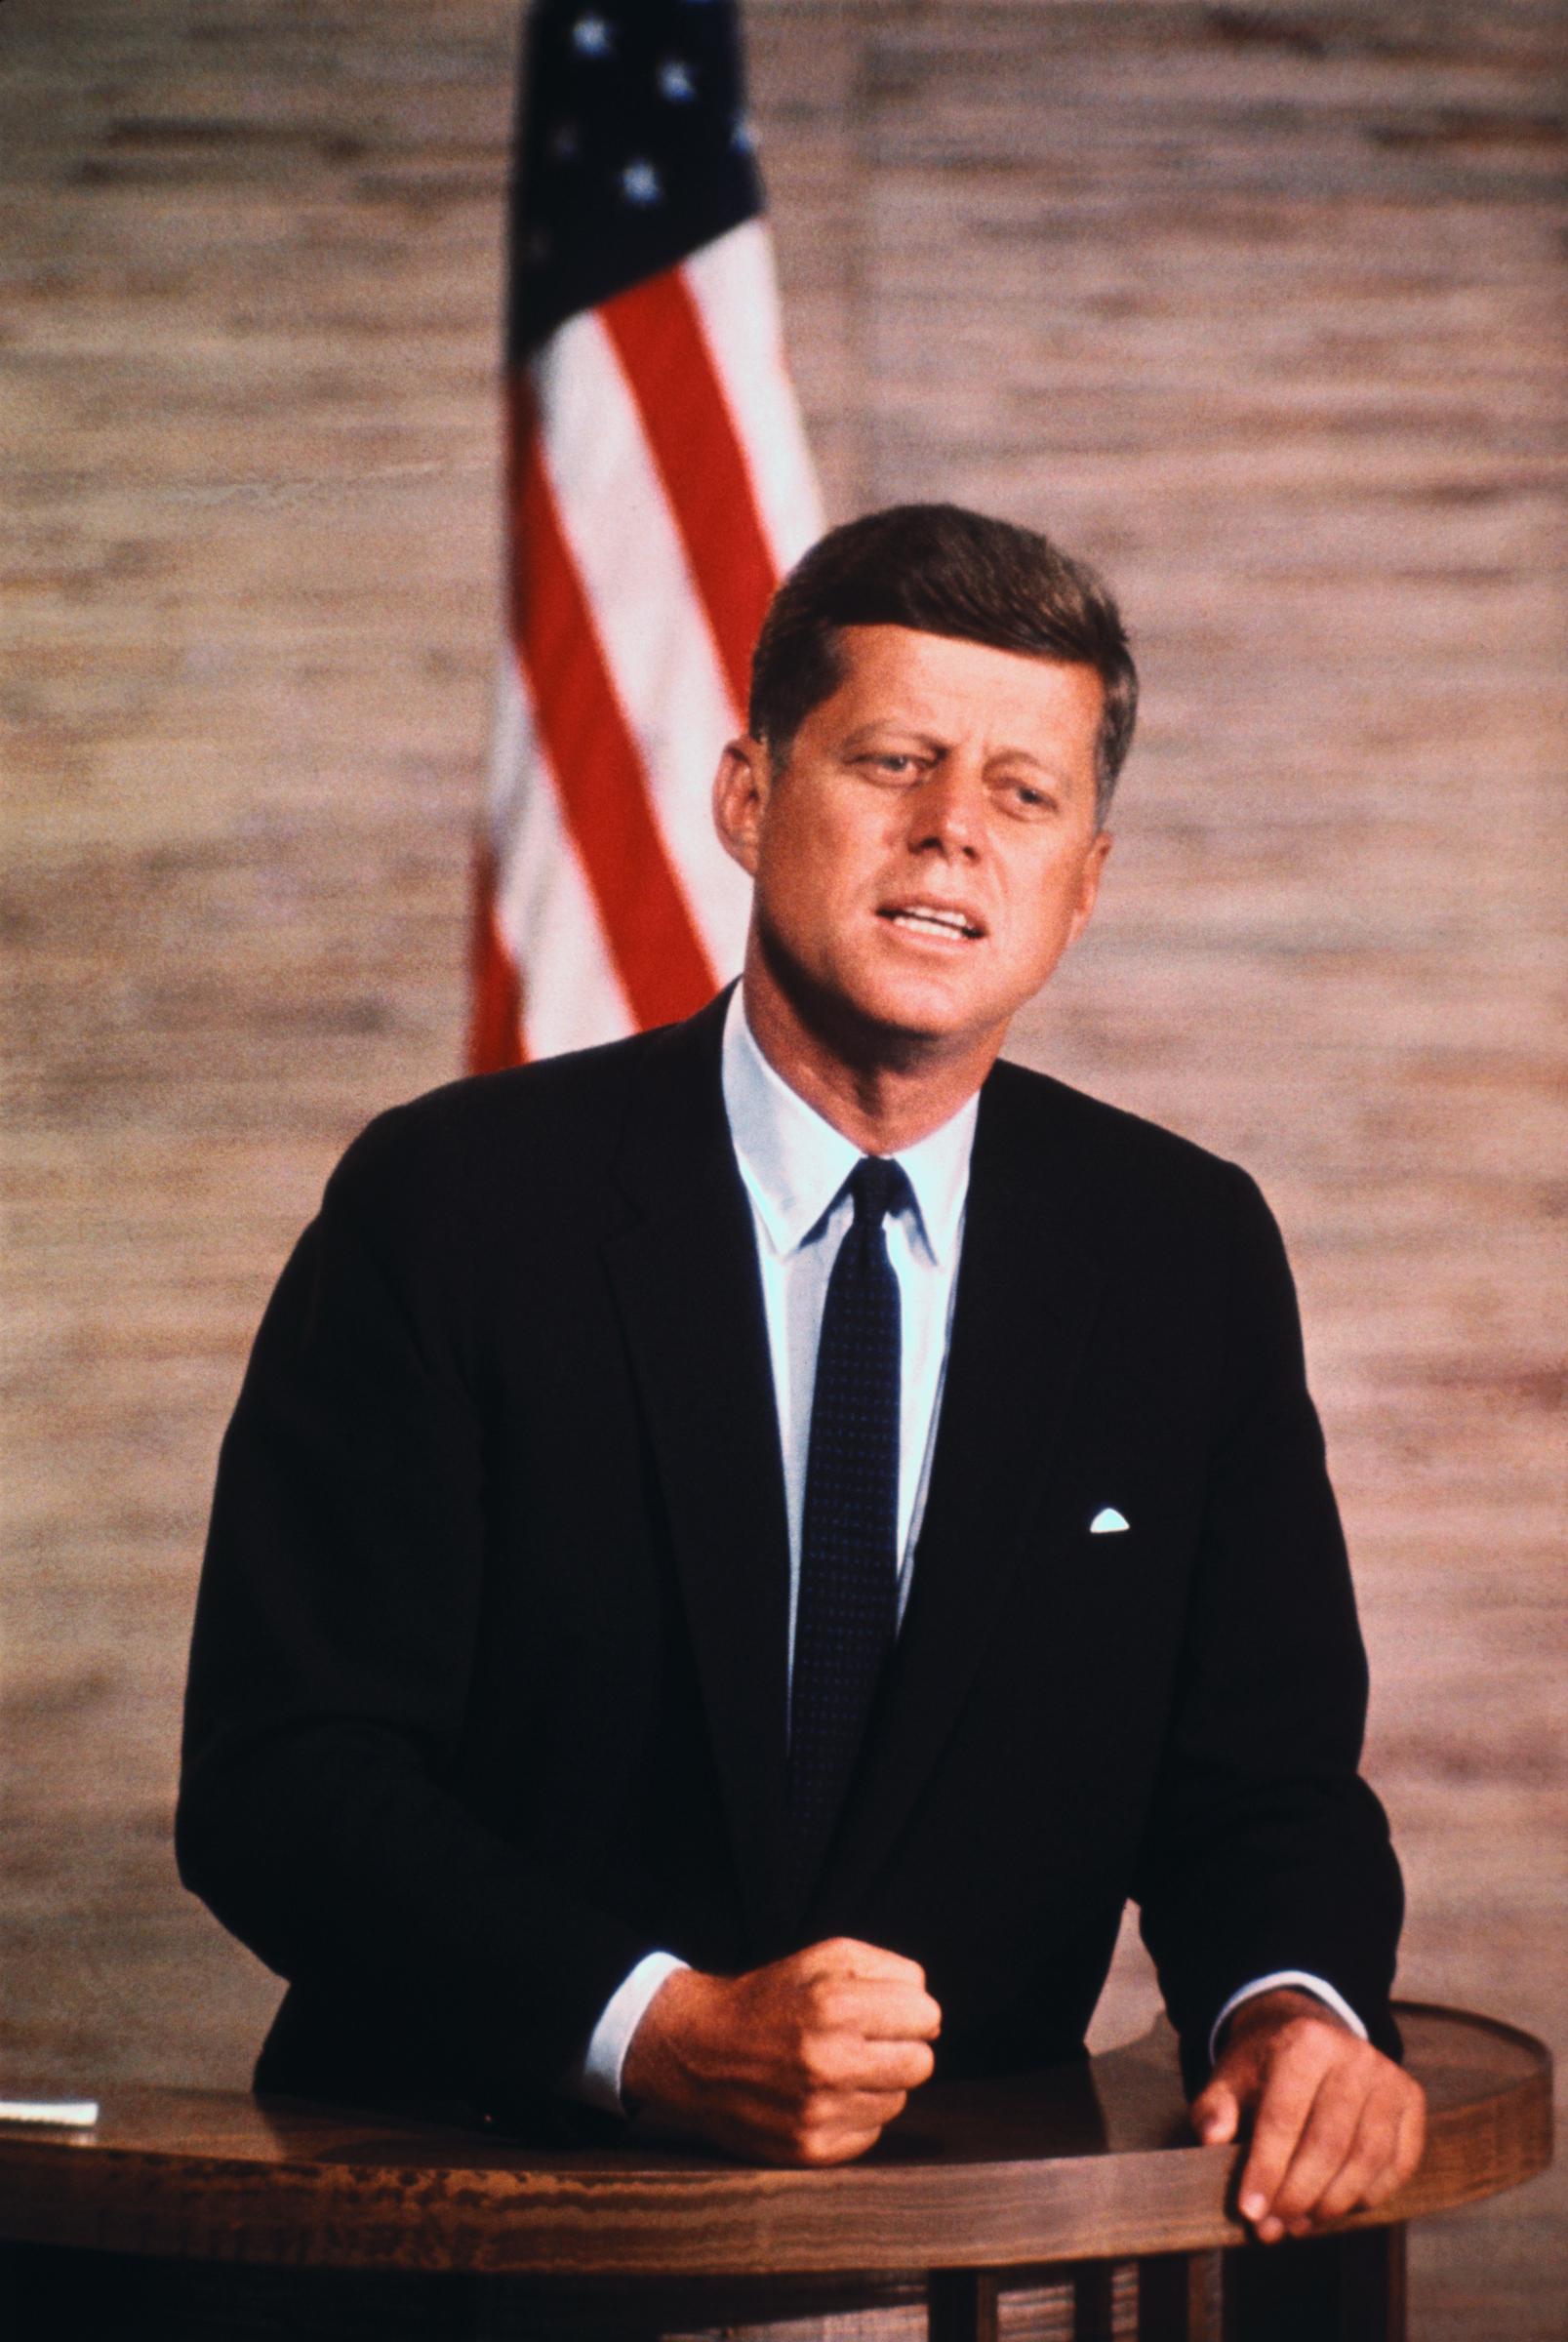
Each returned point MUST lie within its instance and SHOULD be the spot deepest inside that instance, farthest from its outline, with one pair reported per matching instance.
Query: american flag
(657, 486)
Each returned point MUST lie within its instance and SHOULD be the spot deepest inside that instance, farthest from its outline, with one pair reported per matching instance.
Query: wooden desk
(187, 2196)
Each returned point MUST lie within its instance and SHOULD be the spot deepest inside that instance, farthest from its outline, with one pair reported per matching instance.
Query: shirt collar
(794, 1164)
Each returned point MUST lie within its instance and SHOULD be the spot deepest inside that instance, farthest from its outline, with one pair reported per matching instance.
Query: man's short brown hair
(939, 570)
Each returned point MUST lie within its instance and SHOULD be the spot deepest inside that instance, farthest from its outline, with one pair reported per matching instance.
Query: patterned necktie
(847, 1609)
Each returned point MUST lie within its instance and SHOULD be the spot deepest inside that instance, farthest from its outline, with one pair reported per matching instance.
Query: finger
(791, 2106)
(1289, 2089)
(1366, 2174)
(860, 2110)
(870, 2009)
(832, 2125)
(846, 1956)
(1216, 2114)
(888, 2066)
(1410, 2137)
(1412, 2134)
(887, 2011)
(767, 2138)
(847, 2061)
(1326, 2144)
(834, 2147)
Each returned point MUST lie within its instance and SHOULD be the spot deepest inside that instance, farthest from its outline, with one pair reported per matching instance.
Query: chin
(915, 1017)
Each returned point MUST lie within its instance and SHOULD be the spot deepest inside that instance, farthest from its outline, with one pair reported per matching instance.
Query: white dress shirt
(794, 1166)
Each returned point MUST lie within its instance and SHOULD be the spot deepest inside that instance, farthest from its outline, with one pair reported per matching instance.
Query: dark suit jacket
(487, 1692)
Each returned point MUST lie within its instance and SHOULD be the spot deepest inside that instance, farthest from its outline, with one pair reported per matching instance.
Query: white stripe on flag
(647, 612)
(544, 910)
(737, 295)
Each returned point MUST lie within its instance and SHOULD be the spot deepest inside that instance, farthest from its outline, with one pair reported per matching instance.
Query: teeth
(953, 923)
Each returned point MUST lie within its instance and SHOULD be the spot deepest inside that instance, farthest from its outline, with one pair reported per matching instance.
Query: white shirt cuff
(595, 2078)
(1303, 1983)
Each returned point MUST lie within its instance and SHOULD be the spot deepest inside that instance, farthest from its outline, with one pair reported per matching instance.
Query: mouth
(934, 919)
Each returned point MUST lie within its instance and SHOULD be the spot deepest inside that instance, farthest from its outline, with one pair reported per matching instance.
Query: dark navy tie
(848, 1603)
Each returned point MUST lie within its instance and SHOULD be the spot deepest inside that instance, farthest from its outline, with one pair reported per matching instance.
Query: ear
(741, 787)
(1089, 884)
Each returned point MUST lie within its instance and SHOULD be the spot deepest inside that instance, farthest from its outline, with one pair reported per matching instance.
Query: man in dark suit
(737, 1551)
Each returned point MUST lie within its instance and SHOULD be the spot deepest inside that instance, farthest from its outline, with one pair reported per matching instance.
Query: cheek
(797, 876)
(819, 858)
(1047, 904)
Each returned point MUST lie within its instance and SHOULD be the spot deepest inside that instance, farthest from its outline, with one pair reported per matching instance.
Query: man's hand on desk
(1335, 2124)
(805, 2061)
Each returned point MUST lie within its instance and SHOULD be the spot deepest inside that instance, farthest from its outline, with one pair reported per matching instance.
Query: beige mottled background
(1260, 305)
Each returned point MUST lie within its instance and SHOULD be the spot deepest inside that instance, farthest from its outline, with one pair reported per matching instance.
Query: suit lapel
(686, 1278)
(1028, 1288)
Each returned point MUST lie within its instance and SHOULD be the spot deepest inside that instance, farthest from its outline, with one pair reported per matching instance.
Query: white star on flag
(640, 183)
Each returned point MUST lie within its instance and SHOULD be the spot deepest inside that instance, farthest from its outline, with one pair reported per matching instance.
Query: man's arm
(336, 1630)
(597, 2076)
(1301, 1980)
(1265, 1853)
(805, 2061)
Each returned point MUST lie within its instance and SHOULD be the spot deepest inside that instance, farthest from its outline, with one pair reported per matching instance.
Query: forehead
(934, 681)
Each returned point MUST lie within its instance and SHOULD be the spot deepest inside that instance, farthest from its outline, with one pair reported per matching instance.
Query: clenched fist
(805, 2061)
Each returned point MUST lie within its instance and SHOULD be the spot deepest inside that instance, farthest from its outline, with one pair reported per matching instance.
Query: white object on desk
(80, 2112)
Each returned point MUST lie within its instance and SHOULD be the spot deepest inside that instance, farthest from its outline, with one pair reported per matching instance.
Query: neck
(883, 1091)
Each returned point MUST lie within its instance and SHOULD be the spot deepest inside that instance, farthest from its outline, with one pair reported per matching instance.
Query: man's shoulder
(1168, 1215)
(1106, 1143)
(556, 1092)
(531, 1133)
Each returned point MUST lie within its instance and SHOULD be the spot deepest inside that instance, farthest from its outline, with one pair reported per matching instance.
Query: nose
(948, 812)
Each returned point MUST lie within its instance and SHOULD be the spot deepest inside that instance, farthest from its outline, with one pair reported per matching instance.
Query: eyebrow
(865, 733)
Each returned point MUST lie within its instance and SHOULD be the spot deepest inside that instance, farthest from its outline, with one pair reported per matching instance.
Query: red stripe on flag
(496, 1030)
(659, 957)
(658, 331)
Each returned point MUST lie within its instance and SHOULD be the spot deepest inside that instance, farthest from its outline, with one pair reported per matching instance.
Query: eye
(896, 763)
(1027, 798)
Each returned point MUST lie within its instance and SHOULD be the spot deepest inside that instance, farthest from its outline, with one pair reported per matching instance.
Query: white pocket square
(1106, 1521)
